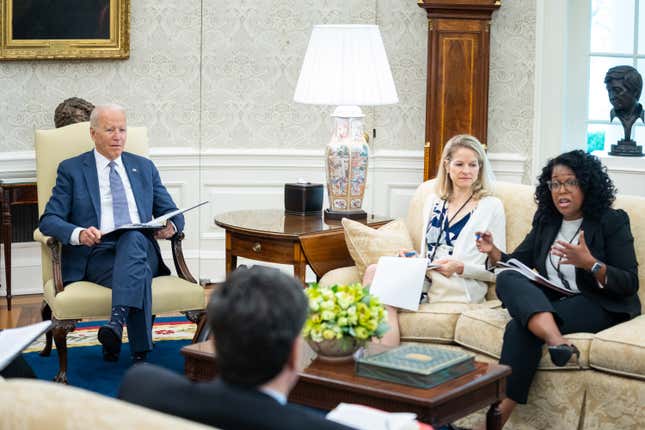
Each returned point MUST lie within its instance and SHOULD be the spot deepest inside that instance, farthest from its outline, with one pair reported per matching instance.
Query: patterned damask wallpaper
(512, 78)
(221, 74)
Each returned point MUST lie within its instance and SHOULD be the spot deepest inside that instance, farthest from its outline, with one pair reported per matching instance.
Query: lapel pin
(134, 170)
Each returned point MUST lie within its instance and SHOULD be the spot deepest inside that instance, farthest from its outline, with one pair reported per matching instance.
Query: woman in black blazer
(578, 242)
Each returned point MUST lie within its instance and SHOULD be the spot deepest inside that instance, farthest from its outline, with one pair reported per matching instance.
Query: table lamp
(346, 66)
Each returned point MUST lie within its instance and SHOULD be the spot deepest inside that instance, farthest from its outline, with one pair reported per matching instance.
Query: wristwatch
(596, 267)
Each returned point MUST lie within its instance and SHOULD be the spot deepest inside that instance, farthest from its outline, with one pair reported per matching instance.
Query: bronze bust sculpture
(624, 85)
(71, 111)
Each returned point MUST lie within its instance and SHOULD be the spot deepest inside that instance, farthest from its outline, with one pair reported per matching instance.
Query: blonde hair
(482, 186)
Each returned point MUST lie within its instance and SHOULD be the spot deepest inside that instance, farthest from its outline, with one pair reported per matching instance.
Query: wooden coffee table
(324, 385)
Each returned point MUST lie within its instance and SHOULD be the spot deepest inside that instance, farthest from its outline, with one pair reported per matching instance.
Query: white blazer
(488, 215)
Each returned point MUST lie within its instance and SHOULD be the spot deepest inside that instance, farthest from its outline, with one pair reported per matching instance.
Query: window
(616, 38)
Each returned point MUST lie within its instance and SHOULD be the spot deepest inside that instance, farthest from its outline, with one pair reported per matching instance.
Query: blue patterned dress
(449, 235)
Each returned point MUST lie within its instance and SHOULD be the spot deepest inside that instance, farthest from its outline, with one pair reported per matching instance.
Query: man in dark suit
(256, 316)
(94, 193)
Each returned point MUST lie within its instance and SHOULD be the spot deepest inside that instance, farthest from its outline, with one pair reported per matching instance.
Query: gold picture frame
(64, 29)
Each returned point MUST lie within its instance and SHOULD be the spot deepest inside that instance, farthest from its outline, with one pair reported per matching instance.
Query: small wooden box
(303, 198)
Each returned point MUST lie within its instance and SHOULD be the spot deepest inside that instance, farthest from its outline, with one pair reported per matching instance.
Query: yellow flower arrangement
(342, 311)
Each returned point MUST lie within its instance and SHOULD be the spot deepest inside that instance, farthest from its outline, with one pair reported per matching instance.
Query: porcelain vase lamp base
(346, 158)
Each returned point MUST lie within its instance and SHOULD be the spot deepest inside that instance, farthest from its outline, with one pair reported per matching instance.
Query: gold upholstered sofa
(29, 404)
(606, 392)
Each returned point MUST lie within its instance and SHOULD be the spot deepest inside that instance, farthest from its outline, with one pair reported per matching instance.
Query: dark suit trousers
(521, 349)
(127, 262)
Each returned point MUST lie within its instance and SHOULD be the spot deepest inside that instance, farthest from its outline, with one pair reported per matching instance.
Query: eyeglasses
(568, 185)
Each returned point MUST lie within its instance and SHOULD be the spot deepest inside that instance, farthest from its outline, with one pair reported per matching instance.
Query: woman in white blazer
(460, 208)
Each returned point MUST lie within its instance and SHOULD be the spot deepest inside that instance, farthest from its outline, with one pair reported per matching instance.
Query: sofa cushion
(341, 276)
(35, 404)
(366, 245)
(634, 205)
(88, 300)
(435, 322)
(621, 349)
(482, 330)
(519, 208)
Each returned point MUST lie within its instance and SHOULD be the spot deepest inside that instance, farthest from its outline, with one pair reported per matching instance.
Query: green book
(417, 364)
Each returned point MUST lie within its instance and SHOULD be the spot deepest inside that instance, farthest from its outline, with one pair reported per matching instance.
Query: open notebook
(154, 224)
(14, 340)
(525, 270)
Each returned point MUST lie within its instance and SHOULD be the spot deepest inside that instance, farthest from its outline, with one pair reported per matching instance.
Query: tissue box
(303, 198)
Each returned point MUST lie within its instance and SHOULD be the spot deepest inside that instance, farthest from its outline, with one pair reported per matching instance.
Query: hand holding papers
(398, 281)
(154, 224)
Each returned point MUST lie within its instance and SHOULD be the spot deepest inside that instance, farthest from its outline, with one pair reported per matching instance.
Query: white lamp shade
(346, 65)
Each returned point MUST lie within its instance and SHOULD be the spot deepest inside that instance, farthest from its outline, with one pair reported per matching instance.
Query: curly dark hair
(598, 189)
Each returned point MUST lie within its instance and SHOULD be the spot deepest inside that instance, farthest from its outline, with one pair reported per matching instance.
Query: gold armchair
(67, 304)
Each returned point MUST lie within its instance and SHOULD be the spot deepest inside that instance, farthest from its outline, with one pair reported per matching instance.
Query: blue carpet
(86, 368)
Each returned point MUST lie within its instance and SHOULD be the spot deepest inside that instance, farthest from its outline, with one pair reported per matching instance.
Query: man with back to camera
(256, 316)
(97, 191)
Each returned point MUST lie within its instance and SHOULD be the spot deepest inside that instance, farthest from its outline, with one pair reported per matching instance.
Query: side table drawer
(270, 250)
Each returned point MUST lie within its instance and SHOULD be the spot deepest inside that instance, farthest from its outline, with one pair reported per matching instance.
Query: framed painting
(64, 29)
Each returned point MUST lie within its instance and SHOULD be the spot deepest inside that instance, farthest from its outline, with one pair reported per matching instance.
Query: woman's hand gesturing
(578, 255)
(484, 243)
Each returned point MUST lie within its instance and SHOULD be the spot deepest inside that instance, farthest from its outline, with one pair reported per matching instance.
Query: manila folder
(398, 281)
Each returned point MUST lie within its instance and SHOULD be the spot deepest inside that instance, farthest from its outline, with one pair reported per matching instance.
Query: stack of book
(415, 364)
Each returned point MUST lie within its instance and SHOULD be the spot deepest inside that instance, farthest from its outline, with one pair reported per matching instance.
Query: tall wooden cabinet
(457, 85)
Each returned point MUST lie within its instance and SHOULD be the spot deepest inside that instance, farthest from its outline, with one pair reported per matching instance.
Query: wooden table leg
(231, 260)
(6, 241)
(299, 262)
(494, 417)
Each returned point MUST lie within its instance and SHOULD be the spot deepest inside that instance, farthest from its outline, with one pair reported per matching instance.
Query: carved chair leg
(198, 317)
(46, 313)
(60, 330)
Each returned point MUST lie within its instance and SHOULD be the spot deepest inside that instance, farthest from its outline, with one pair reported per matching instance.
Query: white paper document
(398, 281)
(14, 340)
(154, 224)
(366, 418)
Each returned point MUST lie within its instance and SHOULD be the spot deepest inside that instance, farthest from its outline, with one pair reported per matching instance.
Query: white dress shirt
(107, 213)
(278, 396)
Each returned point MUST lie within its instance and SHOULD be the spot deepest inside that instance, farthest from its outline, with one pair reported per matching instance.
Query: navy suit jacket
(216, 403)
(75, 202)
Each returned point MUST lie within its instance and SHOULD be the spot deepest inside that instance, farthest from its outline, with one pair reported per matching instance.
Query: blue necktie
(119, 200)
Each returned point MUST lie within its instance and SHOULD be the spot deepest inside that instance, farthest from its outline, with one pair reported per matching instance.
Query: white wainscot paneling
(508, 167)
(26, 274)
(628, 173)
(234, 179)
(394, 177)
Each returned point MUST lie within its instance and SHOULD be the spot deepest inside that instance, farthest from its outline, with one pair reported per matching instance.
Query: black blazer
(215, 403)
(609, 239)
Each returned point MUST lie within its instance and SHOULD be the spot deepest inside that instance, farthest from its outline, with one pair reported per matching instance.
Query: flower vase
(336, 350)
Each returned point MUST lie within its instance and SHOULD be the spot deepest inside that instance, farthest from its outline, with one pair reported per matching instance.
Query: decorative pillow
(366, 245)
